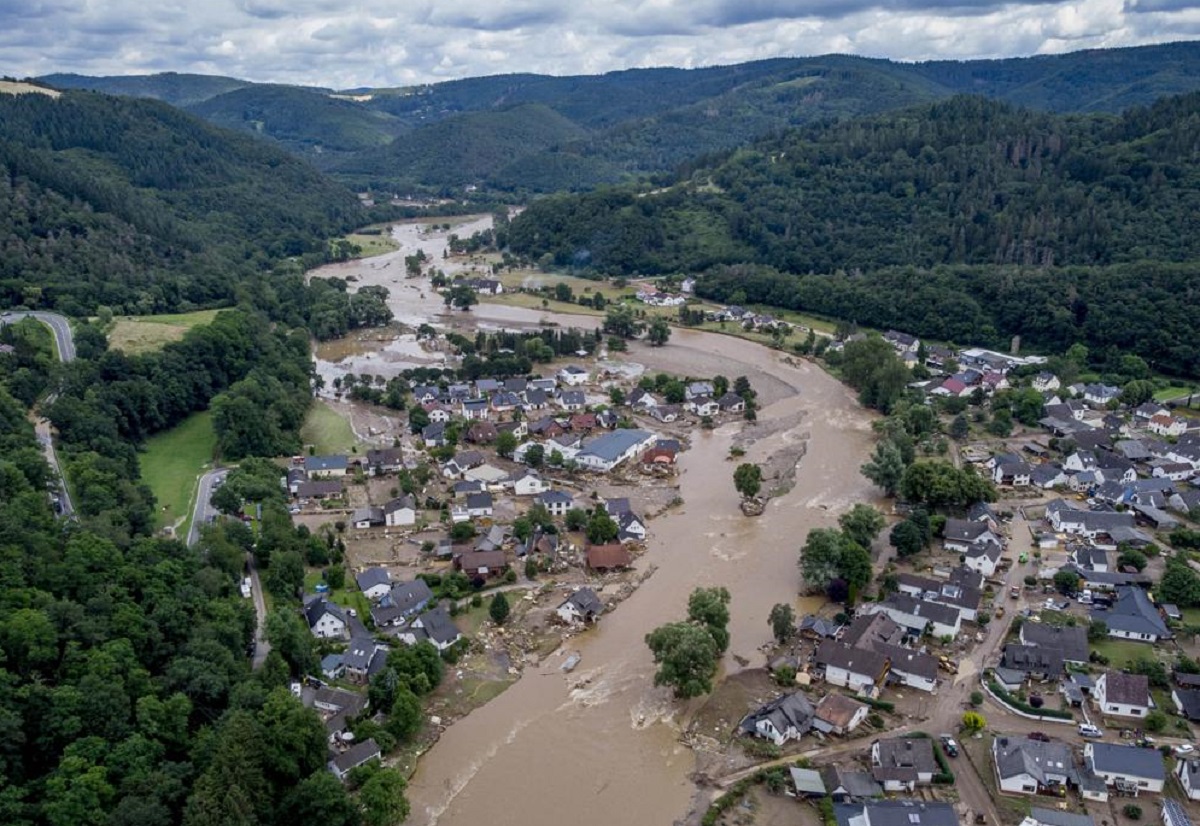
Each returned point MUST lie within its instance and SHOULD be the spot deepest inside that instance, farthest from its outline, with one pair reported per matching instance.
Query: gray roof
(895, 813)
(1192, 767)
(1053, 817)
(1130, 761)
(1126, 689)
(404, 598)
(612, 445)
(319, 464)
(1189, 699)
(1133, 613)
(867, 629)
(854, 660)
(807, 781)
(789, 711)
(372, 577)
(439, 626)
(356, 755)
(554, 496)
(929, 610)
(907, 752)
(1173, 810)
(964, 530)
(907, 661)
(1019, 755)
(819, 626)
(854, 784)
(1034, 660)
(319, 607)
(359, 653)
(585, 602)
(479, 500)
(1071, 642)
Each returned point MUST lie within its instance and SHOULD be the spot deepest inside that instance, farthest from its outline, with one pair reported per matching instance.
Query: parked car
(1186, 748)
(1037, 735)
(948, 744)
(1088, 730)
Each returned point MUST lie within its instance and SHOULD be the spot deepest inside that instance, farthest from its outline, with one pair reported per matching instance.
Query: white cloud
(383, 42)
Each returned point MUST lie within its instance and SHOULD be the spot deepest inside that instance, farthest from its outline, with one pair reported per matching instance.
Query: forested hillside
(136, 205)
(962, 182)
(637, 122)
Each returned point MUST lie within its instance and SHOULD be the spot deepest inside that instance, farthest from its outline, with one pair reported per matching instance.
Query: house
(1025, 766)
(731, 403)
(479, 505)
(518, 429)
(573, 375)
(665, 413)
(903, 763)
(583, 422)
(839, 714)
(572, 400)
(474, 410)
(485, 564)
(357, 755)
(556, 502)
(1106, 529)
(541, 543)
(1045, 382)
(401, 602)
(658, 457)
(630, 527)
(387, 460)
(902, 342)
(1163, 424)
(493, 540)
(320, 489)
(1122, 695)
(491, 476)
(960, 534)
(983, 557)
(1034, 662)
(325, 467)
(917, 616)
(818, 628)
(605, 452)
(895, 813)
(582, 606)
(845, 786)
(1187, 702)
(1188, 772)
(1070, 641)
(1013, 474)
(1099, 395)
(466, 487)
(295, 477)
(332, 667)
(1091, 559)
(1054, 817)
(1048, 475)
(1175, 471)
(868, 629)
(702, 406)
(400, 512)
(325, 620)
(1133, 617)
(528, 483)
(361, 655)
(602, 558)
(434, 434)
(374, 582)
(1173, 813)
(434, 625)
(461, 463)
(1128, 769)
(698, 389)
(481, 433)
(858, 669)
(786, 718)
(908, 667)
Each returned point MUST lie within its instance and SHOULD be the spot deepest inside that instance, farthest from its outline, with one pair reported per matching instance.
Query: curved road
(64, 341)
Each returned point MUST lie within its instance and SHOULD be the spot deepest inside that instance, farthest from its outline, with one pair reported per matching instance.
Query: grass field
(1173, 392)
(348, 597)
(172, 463)
(373, 245)
(326, 430)
(145, 334)
(1120, 652)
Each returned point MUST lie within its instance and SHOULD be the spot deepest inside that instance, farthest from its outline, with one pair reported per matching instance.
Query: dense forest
(964, 220)
(138, 206)
(611, 127)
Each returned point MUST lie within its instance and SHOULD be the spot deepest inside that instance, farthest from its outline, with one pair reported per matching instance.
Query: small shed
(807, 782)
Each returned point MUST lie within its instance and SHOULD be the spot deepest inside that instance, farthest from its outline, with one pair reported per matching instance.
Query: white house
(1025, 766)
(1163, 424)
(839, 714)
(557, 502)
(858, 669)
(1045, 382)
(786, 718)
(582, 606)
(325, 620)
(374, 582)
(960, 534)
(911, 668)
(1118, 694)
(1128, 769)
(605, 452)
(1188, 772)
(983, 557)
(529, 483)
(917, 616)
(902, 763)
(400, 512)
(573, 375)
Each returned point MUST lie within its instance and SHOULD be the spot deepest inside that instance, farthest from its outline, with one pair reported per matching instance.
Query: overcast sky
(343, 43)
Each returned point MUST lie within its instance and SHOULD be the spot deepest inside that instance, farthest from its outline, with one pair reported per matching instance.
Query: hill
(1076, 226)
(641, 122)
(137, 205)
(169, 87)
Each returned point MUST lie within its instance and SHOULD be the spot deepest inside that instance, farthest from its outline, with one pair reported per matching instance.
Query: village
(1027, 612)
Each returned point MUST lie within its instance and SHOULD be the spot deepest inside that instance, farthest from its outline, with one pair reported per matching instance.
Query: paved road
(60, 326)
(203, 511)
(261, 646)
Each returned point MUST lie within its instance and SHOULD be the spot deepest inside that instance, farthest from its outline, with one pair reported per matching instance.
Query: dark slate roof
(1127, 689)
(932, 611)
(854, 784)
(854, 660)
(439, 626)
(897, 813)
(317, 608)
(1189, 699)
(1133, 613)
(909, 661)
(585, 602)
(789, 711)
(356, 755)
(867, 629)
(964, 530)
(404, 598)
(1173, 810)
(907, 753)
(819, 626)
(372, 577)
(1019, 755)
(1030, 659)
(1131, 761)
(1070, 641)
(1053, 817)
(479, 500)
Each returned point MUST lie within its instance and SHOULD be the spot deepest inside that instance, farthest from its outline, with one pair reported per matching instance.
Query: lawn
(1120, 652)
(534, 279)
(145, 334)
(534, 302)
(172, 463)
(348, 597)
(373, 245)
(1172, 392)
(326, 430)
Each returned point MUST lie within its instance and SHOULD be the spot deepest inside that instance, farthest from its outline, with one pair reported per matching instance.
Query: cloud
(386, 43)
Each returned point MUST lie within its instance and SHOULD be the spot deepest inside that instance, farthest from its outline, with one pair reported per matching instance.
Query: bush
(765, 749)
(1132, 811)
(476, 600)
(977, 698)
(1019, 705)
(882, 705)
(785, 676)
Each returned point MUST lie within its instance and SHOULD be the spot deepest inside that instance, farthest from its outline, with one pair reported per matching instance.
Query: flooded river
(544, 752)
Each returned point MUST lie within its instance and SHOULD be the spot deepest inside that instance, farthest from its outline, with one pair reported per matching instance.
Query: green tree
(709, 607)
(959, 427)
(659, 332)
(1097, 631)
(862, 524)
(1156, 721)
(1066, 582)
(620, 321)
(499, 609)
(576, 519)
(1133, 557)
(535, 456)
(687, 658)
(886, 467)
(601, 529)
(782, 620)
(1180, 584)
(907, 539)
(973, 721)
(747, 479)
(382, 798)
(506, 443)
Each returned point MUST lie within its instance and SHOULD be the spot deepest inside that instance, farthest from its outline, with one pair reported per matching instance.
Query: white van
(1088, 730)
(1085, 598)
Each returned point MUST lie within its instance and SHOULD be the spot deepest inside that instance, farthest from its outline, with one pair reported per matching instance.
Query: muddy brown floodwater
(601, 745)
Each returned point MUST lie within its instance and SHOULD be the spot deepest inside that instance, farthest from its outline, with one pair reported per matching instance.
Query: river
(543, 751)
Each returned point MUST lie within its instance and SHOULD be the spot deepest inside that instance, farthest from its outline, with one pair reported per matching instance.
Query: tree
(498, 610)
(1132, 557)
(461, 296)
(687, 658)
(382, 798)
(1156, 721)
(506, 443)
(976, 698)
(906, 538)
(535, 456)
(1179, 584)
(462, 531)
(942, 485)
(620, 321)
(782, 620)
(885, 467)
(747, 479)
(601, 529)
(862, 524)
(973, 721)
(709, 607)
(1097, 630)
(959, 427)
(1066, 582)
(659, 332)
(576, 519)
(829, 554)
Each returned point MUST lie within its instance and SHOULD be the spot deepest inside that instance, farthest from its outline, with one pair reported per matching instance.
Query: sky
(353, 43)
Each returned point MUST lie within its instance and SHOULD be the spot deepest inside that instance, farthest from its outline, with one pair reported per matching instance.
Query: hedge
(1020, 705)
(882, 705)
